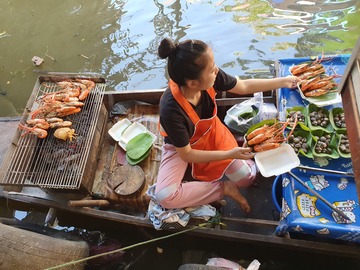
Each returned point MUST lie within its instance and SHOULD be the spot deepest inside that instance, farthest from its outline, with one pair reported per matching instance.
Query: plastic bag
(254, 265)
(243, 115)
(227, 264)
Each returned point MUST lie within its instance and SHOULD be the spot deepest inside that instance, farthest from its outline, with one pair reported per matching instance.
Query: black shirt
(174, 120)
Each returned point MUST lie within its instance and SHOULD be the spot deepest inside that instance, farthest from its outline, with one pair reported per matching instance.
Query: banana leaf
(313, 108)
(136, 161)
(139, 145)
(304, 133)
(301, 109)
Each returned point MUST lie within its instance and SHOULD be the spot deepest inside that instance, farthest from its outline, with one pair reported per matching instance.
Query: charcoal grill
(54, 163)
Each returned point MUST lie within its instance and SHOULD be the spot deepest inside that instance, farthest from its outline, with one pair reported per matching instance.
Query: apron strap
(179, 97)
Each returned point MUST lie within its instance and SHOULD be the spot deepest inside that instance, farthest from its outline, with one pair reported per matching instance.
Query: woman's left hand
(291, 81)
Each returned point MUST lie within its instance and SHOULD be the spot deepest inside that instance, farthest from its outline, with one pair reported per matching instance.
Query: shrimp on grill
(68, 110)
(39, 132)
(45, 109)
(54, 120)
(38, 123)
(65, 84)
(61, 124)
(58, 96)
(35, 121)
(86, 91)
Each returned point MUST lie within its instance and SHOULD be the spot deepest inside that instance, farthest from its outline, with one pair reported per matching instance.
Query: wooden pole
(89, 203)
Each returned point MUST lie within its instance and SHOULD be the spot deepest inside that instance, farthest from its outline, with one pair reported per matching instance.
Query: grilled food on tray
(53, 106)
(314, 80)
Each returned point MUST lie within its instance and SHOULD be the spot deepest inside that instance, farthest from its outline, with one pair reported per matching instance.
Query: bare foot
(231, 190)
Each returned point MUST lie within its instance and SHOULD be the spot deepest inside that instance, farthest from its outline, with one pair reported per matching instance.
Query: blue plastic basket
(276, 192)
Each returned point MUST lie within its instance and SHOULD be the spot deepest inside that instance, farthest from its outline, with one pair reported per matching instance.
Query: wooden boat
(95, 199)
(349, 90)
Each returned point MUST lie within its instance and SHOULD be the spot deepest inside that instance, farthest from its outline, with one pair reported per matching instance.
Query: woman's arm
(250, 86)
(199, 156)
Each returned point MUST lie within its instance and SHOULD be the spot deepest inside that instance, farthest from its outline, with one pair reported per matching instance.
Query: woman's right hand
(242, 153)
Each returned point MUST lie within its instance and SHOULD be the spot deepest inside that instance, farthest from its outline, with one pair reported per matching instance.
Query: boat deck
(258, 195)
(257, 227)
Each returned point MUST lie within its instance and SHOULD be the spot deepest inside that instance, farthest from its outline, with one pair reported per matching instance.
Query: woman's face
(208, 75)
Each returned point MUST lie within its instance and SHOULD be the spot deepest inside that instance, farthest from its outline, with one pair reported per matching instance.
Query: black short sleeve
(224, 81)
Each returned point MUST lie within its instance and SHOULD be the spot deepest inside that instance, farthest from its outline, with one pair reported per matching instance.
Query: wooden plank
(352, 120)
(148, 116)
(349, 87)
(90, 168)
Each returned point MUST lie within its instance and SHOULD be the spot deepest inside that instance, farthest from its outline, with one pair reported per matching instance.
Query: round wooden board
(127, 179)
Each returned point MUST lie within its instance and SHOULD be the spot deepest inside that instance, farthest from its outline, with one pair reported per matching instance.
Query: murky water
(119, 39)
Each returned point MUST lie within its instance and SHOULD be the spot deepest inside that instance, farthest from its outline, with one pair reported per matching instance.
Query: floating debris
(49, 56)
(84, 56)
(37, 61)
(4, 34)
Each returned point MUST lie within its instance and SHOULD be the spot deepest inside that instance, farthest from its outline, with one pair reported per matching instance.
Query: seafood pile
(296, 114)
(314, 81)
(344, 146)
(322, 144)
(299, 142)
(54, 106)
(269, 136)
(339, 120)
(323, 134)
(319, 118)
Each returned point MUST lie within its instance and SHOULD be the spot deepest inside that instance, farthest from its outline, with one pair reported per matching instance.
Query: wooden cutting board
(126, 179)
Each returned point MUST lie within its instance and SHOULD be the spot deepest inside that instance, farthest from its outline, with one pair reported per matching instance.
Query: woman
(195, 136)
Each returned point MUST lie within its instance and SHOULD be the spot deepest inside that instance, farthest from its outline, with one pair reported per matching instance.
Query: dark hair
(183, 59)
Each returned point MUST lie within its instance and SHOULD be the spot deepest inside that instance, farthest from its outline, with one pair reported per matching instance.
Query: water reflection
(317, 16)
(119, 39)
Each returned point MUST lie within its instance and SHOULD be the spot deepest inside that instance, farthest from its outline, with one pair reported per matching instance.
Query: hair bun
(166, 48)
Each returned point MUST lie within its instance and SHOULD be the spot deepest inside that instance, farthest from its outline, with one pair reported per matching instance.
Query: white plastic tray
(133, 130)
(117, 130)
(277, 161)
(321, 101)
(123, 131)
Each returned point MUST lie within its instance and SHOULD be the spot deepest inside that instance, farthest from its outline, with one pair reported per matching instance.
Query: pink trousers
(172, 191)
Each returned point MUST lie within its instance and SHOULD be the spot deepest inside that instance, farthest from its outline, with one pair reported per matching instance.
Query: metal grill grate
(50, 162)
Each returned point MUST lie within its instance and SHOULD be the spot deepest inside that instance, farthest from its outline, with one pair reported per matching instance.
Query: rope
(128, 247)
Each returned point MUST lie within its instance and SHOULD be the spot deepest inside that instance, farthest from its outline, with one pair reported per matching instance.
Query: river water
(118, 39)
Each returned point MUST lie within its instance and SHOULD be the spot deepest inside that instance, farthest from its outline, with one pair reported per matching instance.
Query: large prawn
(309, 68)
(269, 137)
(86, 91)
(271, 132)
(39, 132)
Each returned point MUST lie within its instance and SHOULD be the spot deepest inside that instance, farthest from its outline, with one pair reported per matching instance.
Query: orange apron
(209, 134)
